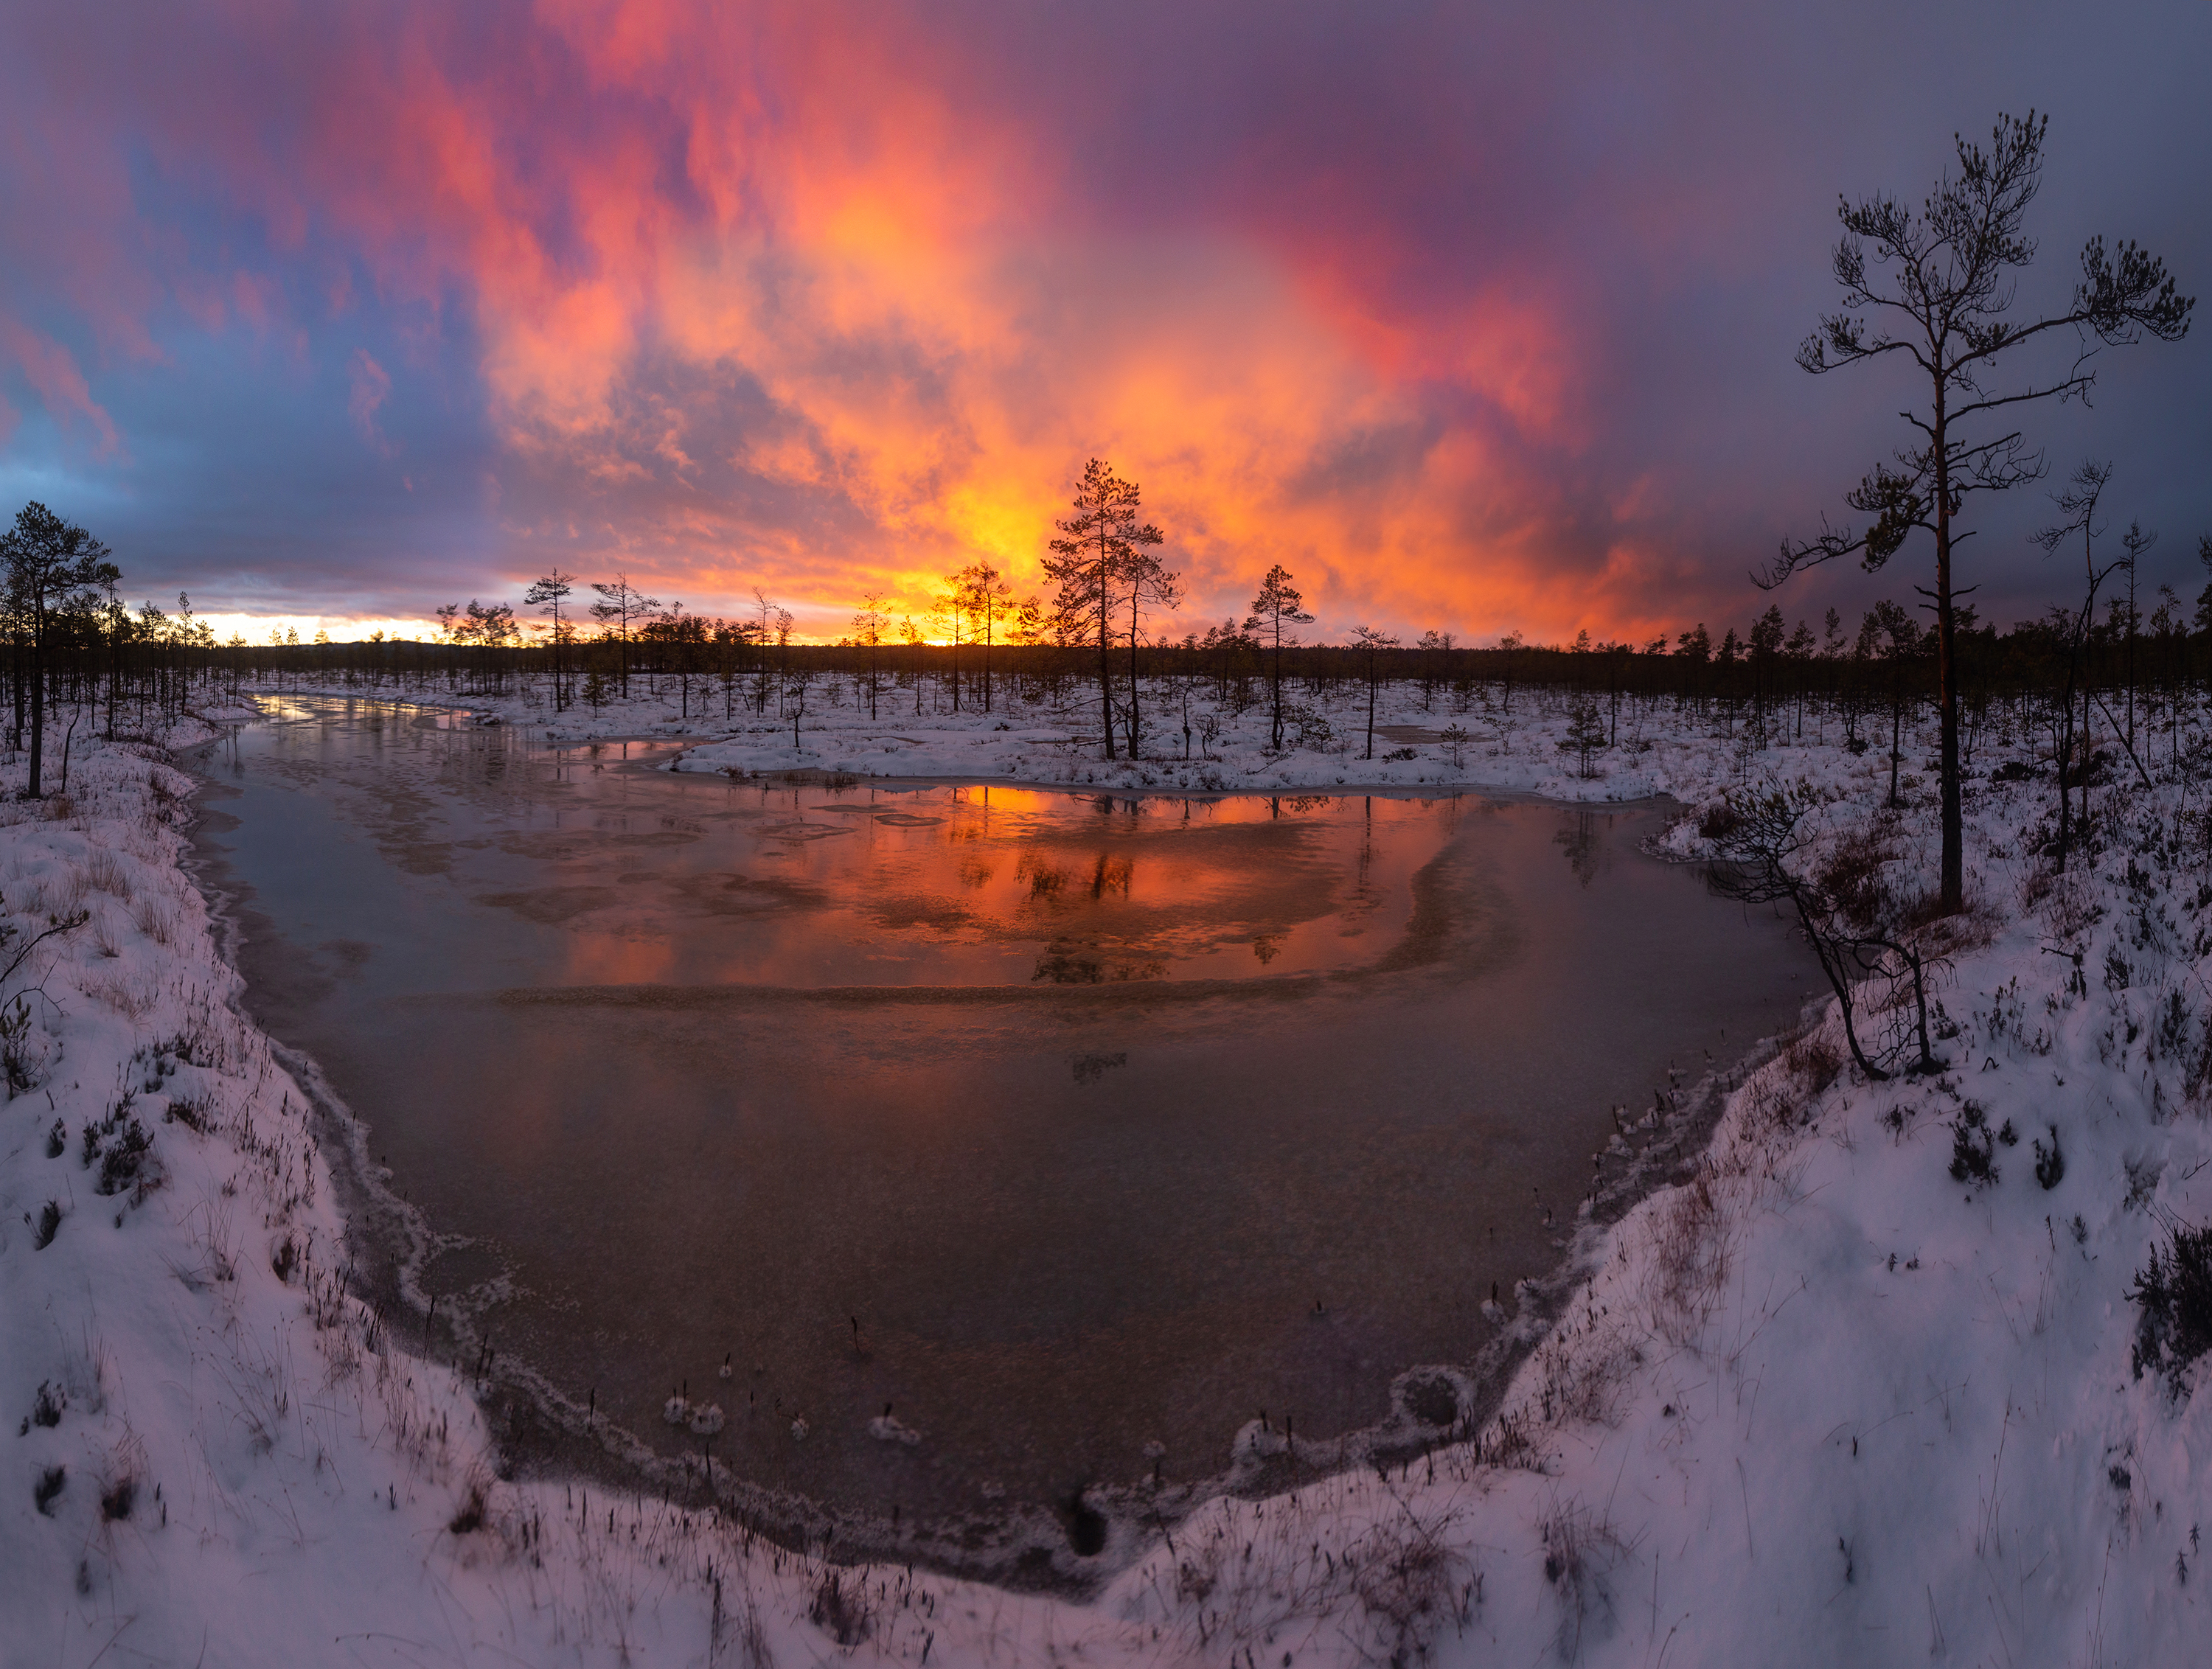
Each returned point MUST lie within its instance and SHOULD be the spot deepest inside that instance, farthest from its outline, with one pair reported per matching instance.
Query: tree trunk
(1275, 686)
(38, 713)
(1947, 678)
(2065, 734)
(1135, 723)
(1105, 687)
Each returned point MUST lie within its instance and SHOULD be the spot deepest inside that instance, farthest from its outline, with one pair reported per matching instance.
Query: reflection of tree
(1583, 841)
(1045, 881)
(1090, 1068)
(1111, 875)
(1266, 947)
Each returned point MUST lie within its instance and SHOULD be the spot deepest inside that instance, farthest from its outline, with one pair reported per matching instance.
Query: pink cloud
(52, 371)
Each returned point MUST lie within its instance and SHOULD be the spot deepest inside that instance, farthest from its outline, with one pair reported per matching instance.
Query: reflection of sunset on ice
(1165, 1065)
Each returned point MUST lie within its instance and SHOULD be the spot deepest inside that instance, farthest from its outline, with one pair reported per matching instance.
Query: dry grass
(73, 891)
(1813, 1059)
(1410, 1579)
(156, 921)
(119, 995)
(1580, 1375)
(841, 1608)
(1577, 1549)
(103, 871)
(1691, 1260)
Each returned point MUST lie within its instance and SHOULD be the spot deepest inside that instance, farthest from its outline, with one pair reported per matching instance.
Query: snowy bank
(1864, 1389)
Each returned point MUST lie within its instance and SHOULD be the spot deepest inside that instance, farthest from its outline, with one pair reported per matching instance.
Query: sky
(1475, 317)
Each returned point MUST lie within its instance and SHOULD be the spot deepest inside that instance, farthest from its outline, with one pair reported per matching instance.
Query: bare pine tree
(1940, 290)
(620, 602)
(547, 593)
(2077, 505)
(868, 633)
(988, 600)
(1373, 642)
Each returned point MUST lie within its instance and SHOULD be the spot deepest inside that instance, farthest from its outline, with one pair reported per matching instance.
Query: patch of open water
(1070, 1130)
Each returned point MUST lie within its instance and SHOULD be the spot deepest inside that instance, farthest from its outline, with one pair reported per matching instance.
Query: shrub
(2174, 1293)
(15, 1062)
(1973, 1147)
(121, 1163)
(2049, 1163)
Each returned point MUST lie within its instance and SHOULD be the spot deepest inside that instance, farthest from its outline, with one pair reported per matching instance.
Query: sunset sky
(1474, 316)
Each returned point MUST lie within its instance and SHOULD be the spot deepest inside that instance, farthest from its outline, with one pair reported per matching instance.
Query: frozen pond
(1064, 1124)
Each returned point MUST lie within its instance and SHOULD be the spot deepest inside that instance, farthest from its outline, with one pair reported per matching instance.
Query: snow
(1823, 1403)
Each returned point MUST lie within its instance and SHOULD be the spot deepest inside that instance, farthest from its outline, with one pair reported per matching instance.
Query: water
(1062, 1123)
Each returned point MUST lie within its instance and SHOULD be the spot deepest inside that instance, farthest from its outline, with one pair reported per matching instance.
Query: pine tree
(1940, 292)
(547, 593)
(1098, 544)
(1585, 735)
(1278, 605)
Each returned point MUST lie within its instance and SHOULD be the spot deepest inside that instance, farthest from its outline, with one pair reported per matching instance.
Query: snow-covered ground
(1193, 741)
(1824, 1403)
